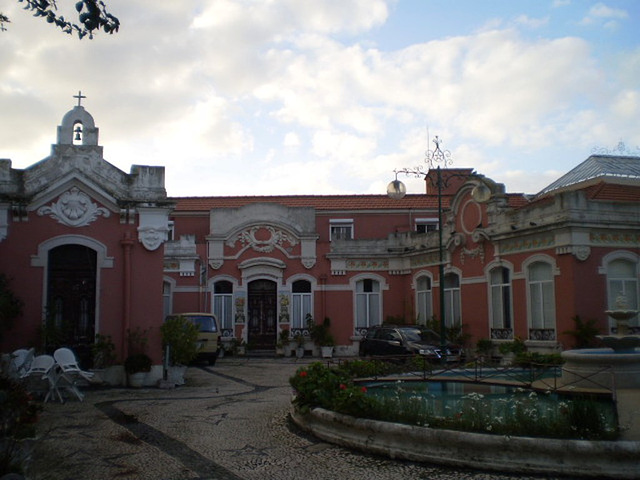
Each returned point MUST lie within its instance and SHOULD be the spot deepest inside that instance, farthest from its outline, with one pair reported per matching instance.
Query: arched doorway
(71, 299)
(262, 313)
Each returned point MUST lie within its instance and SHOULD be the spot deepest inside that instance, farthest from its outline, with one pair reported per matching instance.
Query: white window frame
(429, 224)
(543, 317)
(628, 286)
(453, 301)
(424, 299)
(222, 305)
(342, 225)
(301, 305)
(168, 285)
(368, 304)
(501, 299)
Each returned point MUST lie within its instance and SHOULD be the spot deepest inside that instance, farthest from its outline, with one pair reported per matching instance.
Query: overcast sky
(268, 97)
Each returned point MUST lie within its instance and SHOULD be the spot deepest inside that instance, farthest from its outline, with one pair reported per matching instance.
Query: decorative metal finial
(619, 150)
(79, 97)
(437, 156)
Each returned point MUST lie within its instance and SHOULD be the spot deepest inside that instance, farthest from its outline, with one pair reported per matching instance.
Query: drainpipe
(201, 272)
(323, 293)
(127, 243)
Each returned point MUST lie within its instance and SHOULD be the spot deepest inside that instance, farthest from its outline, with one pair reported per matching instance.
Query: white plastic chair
(70, 371)
(21, 361)
(42, 377)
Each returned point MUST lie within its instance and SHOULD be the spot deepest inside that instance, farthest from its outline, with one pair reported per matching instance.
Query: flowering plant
(318, 385)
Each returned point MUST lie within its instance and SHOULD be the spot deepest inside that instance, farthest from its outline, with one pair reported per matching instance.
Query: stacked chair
(50, 375)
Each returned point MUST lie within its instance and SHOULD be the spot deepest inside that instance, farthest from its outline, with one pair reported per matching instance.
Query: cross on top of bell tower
(79, 97)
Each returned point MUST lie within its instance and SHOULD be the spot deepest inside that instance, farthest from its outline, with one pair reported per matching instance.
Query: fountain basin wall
(601, 368)
(524, 455)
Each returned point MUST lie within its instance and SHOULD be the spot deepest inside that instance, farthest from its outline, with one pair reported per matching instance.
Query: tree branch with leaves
(92, 17)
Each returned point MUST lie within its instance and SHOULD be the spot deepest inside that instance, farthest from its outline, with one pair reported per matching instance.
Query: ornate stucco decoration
(74, 209)
(367, 264)
(249, 238)
(309, 262)
(152, 237)
(153, 228)
(581, 252)
(477, 252)
(528, 244)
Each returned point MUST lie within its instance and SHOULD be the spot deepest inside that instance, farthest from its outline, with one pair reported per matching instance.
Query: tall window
(424, 299)
(452, 300)
(166, 299)
(367, 303)
(542, 310)
(622, 280)
(301, 303)
(223, 303)
(341, 229)
(501, 316)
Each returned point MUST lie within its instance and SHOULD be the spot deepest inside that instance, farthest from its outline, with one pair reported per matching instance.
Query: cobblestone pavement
(228, 422)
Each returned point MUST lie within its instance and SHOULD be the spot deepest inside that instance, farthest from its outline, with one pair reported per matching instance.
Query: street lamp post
(397, 190)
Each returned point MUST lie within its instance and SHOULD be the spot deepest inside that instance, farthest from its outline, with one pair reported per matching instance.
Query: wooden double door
(71, 300)
(262, 313)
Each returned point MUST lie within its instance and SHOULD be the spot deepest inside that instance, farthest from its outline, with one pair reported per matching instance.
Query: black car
(406, 340)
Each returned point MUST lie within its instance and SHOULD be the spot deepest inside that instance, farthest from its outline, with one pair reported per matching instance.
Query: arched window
(223, 303)
(424, 300)
(500, 292)
(301, 303)
(542, 308)
(622, 281)
(368, 311)
(452, 316)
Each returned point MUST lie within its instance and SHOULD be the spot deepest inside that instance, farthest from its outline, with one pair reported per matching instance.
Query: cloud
(601, 14)
(529, 22)
(297, 94)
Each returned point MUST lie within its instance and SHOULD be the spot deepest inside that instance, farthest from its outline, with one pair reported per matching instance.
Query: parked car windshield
(412, 334)
(418, 335)
(204, 323)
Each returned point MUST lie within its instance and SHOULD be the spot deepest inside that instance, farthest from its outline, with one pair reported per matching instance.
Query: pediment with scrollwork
(74, 208)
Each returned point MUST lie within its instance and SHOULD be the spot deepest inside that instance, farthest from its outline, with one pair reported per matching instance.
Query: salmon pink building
(91, 249)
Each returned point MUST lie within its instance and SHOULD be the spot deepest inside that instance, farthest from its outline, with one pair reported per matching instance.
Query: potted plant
(138, 363)
(299, 340)
(511, 350)
(239, 347)
(484, 347)
(179, 340)
(285, 341)
(103, 353)
(321, 335)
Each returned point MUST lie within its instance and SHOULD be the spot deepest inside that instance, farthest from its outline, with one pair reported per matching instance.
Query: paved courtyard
(228, 422)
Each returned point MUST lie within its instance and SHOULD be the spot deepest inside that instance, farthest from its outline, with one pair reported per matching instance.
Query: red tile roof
(326, 202)
(613, 192)
(320, 202)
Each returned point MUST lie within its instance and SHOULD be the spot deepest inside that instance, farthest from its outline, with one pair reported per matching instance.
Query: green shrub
(530, 359)
(180, 334)
(18, 416)
(137, 362)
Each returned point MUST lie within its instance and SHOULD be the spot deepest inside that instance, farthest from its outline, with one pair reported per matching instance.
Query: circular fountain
(613, 367)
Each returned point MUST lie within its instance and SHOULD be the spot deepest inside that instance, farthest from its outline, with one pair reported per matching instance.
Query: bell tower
(78, 126)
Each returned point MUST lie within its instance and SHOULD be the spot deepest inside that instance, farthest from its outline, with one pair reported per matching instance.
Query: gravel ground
(228, 422)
